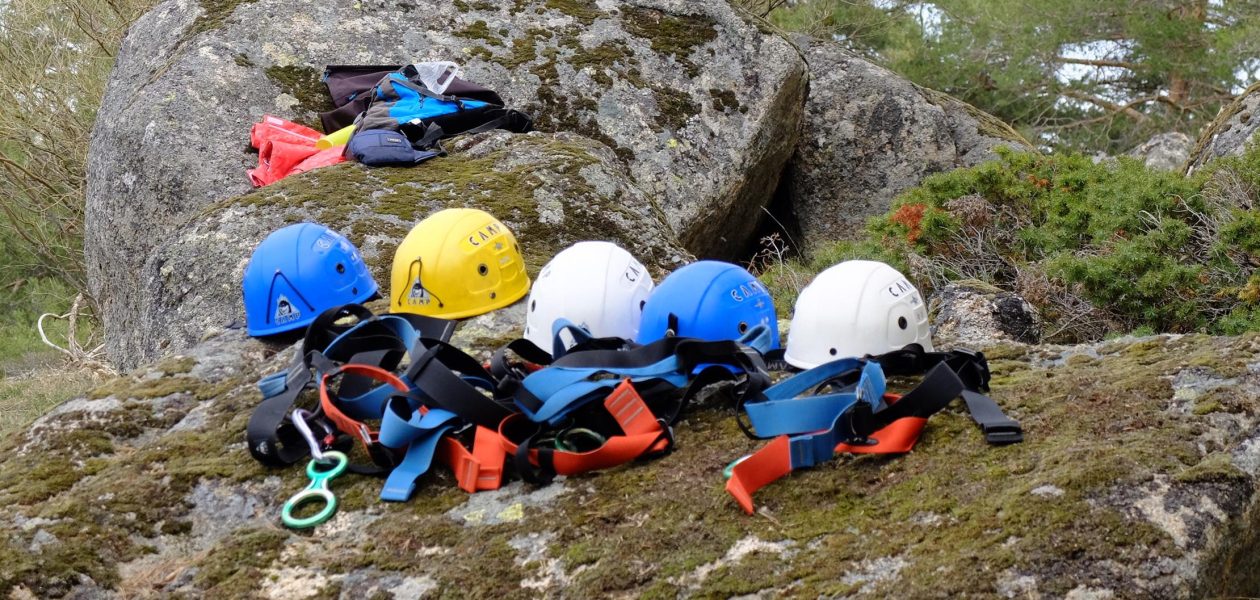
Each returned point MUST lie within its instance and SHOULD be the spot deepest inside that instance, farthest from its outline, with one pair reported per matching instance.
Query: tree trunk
(1178, 83)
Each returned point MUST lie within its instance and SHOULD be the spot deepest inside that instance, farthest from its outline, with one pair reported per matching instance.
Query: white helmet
(596, 285)
(855, 308)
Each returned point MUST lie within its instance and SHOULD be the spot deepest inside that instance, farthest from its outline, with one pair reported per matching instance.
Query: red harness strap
(481, 469)
(644, 434)
(774, 460)
(346, 424)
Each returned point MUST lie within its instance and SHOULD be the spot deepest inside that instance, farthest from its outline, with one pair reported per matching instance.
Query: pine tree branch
(1096, 62)
(1111, 107)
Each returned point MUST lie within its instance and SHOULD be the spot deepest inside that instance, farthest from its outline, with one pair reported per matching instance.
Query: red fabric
(481, 469)
(286, 148)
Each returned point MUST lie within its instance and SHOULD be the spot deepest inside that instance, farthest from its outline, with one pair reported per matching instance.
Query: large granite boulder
(700, 102)
(1137, 478)
(1167, 151)
(552, 190)
(1229, 133)
(870, 134)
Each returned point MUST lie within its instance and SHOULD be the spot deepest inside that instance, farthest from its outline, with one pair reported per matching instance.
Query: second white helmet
(597, 285)
(855, 308)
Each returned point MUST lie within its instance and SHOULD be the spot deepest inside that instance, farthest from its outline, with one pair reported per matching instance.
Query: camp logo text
(634, 271)
(484, 234)
(748, 290)
(418, 294)
(901, 288)
(286, 312)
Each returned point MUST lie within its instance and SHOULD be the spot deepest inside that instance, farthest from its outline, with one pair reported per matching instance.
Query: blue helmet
(298, 272)
(709, 300)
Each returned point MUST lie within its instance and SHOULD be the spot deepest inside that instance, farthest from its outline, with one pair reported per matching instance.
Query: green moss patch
(235, 567)
(479, 30)
(676, 35)
(303, 83)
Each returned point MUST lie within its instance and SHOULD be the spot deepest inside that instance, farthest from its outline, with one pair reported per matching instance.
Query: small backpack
(400, 102)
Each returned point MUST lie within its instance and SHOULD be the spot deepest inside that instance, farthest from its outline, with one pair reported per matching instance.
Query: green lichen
(677, 35)
(986, 124)
(175, 365)
(242, 60)
(214, 15)
(1218, 124)
(303, 83)
(1215, 467)
(479, 30)
(585, 11)
(390, 200)
(234, 568)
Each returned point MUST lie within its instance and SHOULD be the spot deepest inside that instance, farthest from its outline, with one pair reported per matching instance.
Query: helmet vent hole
(341, 268)
(354, 290)
(743, 327)
(533, 305)
(642, 303)
(492, 295)
(483, 270)
(902, 323)
(832, 351)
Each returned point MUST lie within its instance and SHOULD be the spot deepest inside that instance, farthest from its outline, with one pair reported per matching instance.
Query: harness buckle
(1003, 432)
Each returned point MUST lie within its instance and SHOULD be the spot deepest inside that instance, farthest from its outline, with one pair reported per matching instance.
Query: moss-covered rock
(1230, 133)
(1136, 479)
(551, 190)
(640, 77)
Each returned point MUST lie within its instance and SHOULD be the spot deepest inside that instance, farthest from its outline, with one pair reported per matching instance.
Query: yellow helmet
(458, 262)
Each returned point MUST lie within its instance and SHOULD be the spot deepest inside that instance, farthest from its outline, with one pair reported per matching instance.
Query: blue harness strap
(405, 426)
(786, 411)
(813, 448)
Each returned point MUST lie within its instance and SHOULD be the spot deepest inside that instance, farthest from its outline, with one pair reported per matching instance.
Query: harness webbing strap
(481, 469)
(893, 427)
(433, 372)
(973, 370)
(643, 435)
(418, 429)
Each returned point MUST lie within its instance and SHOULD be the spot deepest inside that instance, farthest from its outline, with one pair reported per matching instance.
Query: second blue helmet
(298, 272)
(710, 300)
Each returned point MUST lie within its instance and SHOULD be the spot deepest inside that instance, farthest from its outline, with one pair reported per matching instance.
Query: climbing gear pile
(391, 115)
(606, 367)
(286, 148)
(458, 262)
(298, 272)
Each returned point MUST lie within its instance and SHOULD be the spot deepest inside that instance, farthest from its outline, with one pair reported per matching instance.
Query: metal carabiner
(316, 491)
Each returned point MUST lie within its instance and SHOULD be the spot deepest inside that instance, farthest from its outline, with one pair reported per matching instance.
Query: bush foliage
(1099, 247)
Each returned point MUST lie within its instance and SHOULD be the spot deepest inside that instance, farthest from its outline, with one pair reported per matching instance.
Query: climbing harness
(860, 417)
